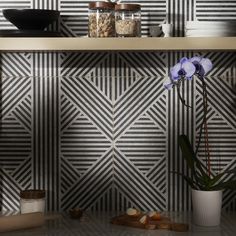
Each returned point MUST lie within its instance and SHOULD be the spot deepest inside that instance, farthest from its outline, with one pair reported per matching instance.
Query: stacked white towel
(210, 29)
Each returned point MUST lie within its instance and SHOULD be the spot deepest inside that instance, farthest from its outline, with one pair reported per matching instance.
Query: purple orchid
(186, 69)
(203, 65)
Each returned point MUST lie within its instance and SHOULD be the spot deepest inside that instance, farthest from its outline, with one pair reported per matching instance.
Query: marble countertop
(97, 224)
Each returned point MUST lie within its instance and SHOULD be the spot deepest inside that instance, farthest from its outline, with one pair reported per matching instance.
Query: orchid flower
(187, 68)
(203, 65)
(184, 68)
(168, 84)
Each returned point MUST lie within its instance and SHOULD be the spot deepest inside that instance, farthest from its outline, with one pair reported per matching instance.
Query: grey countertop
(97, 224)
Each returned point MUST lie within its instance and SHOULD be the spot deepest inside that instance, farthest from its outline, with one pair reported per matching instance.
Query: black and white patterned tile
(97, 130)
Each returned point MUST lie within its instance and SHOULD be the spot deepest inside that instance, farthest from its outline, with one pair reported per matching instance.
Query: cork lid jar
(32, 200)
(128, 20)
(101, 19)
(101, 5)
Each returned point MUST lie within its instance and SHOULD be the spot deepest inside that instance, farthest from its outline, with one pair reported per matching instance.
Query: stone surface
(98, 224)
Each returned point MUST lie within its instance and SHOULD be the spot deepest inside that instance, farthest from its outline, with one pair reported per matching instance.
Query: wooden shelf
(117, 44)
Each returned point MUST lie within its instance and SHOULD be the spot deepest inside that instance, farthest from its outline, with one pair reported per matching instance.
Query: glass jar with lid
(101, 19)
(32, 201)
(128, 20)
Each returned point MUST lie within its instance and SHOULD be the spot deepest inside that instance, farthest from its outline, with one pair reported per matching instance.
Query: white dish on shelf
(222, 30)
(209, 35)
(216, 32)
(210, 25)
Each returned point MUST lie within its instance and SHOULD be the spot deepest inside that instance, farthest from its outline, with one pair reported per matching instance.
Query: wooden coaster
(165, 223)
(131, 222)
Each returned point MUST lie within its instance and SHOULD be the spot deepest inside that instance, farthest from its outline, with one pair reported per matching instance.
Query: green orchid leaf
(187, 151)
(202, 168)
(201, 179)
(189, 156)
(206, 179)
(231, 184)
(204, 182)
(216, 178)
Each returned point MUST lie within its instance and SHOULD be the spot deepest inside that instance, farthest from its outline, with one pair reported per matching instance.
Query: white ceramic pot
(206, 207)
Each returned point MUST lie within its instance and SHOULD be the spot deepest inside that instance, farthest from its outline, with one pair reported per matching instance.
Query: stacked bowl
(210, 29)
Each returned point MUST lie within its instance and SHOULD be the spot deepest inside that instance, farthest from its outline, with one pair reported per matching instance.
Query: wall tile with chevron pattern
(97, 130)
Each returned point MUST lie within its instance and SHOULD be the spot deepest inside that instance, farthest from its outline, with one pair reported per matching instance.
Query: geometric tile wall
(97, 130)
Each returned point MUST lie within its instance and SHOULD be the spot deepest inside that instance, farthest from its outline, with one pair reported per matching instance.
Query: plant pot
(206, 207)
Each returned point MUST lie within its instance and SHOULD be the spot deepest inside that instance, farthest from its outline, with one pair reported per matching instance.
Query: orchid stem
(180, 96)
(204, 124)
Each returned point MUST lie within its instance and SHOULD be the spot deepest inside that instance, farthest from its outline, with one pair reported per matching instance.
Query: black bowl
(31, 19)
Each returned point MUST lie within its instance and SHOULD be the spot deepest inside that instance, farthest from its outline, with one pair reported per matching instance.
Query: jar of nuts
(101, 19)
(128, 20)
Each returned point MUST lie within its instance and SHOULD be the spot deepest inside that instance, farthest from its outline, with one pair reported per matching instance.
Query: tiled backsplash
(97, 130)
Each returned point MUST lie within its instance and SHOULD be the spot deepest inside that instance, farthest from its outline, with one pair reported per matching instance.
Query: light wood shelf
(117, 44)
